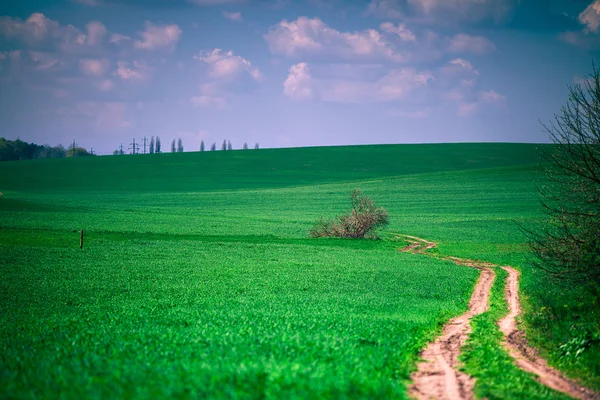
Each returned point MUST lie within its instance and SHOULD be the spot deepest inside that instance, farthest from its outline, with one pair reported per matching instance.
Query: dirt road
(438, 376)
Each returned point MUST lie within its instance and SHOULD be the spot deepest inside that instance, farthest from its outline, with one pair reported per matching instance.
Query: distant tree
(256, 146)
(173, 148)
(568, 247)
(245, 146)
(157, 145)
(151, 150)
(224, 145)
(213, 147)
(229, 147)
(116, 152)
(361, 222)
(202, 145)
(77, 152)
(179, 146)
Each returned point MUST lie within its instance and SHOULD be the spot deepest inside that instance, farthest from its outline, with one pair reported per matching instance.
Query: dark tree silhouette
(568, 247)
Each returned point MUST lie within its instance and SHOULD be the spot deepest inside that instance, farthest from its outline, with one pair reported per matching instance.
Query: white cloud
(590, 17)
(396, 84)
(35, 28)
(400, 30)
(491, 96)
(94, 67)
(227, 73)
(96, 32)
(298, 83)
(589, 36)
(233, 16)
(227, 66)
(411, 113)
(214, 2)
(118, 38)
(158, 36)
(43, 60)
(208, 101)
(462, 43)
(90, 3)
(306, 36)
(105, 85)
(441, 10)
(137, 72)
(97, 116)
(390, 9)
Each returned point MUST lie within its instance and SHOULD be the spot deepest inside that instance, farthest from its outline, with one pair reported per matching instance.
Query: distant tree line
(176, 146)
(12, 150)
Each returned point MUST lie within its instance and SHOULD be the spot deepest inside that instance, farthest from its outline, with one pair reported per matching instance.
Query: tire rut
(438, 377)
(526, 356)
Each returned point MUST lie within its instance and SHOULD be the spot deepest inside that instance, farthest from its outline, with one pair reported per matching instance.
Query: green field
(198, 278)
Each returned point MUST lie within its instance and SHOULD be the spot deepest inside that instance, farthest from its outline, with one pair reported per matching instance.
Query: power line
(134, 147)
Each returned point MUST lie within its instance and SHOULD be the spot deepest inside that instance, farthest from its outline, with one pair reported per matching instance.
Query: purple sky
(289, 73)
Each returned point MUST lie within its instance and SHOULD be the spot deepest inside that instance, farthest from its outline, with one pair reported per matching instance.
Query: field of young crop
(198, 278)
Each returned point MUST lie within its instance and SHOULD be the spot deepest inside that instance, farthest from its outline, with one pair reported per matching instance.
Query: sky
(289, 73)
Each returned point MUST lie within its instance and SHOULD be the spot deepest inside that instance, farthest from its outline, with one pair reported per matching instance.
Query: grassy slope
(159, 224)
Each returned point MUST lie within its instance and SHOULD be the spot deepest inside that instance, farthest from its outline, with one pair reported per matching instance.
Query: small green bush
(362, 221)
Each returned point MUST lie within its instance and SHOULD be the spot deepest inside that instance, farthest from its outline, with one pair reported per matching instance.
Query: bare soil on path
(524, 355)
(438, 376)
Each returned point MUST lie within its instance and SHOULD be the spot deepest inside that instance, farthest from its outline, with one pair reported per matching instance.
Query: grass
(198, 279)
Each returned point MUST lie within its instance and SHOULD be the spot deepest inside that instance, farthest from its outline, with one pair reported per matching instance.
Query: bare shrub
(361, 222)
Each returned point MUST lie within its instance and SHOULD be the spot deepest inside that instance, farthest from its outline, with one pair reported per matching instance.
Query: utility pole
(121, 150)
(134, 147)
(144, 144)
(73, 148)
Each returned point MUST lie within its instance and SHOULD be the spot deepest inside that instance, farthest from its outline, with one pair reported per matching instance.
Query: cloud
(97, 116)
(90, 3)
(462, 43)
(96, 32)
(306, 36)
(44, 61)
(94, 67)
(215, 2)
(158, 37)
(400, 30)
(209, 101)
(227, 73)
(441, 10)
(105, 85)
(233, 16)
(311, 38)
(34, 29)
(588, 36)
(227, 66)
(41, 33)
(389, 9)
(395, 84)
(483, 97)
(139, 71)
(298, 84)
(590, 17)
(411, 113)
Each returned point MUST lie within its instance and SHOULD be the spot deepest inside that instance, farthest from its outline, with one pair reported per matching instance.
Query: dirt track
(525, 356)
(438, 376)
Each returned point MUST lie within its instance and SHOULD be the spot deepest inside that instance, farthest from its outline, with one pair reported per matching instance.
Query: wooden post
(81, 240)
